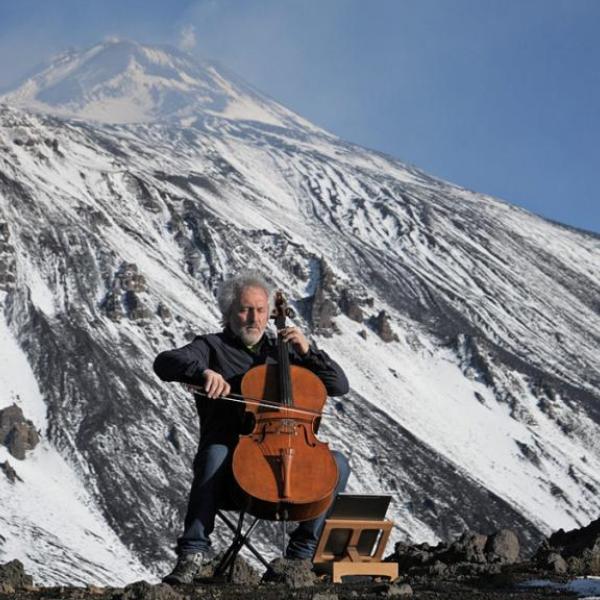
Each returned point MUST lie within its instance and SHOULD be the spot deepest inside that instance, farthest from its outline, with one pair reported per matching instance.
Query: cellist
(217, 362)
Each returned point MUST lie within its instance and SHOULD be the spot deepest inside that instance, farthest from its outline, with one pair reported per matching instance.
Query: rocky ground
(472, 567)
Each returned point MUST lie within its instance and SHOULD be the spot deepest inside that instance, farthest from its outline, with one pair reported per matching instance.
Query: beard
(250, 335)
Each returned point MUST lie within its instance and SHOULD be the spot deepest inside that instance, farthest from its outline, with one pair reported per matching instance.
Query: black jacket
(222, 421)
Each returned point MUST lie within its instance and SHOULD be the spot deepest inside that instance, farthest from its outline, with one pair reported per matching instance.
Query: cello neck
(283, 357)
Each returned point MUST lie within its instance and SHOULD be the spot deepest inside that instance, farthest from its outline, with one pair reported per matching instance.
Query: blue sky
(500, 96)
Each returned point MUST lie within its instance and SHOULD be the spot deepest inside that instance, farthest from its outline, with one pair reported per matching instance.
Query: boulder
(503, 547)
(381, 325)
(575, 541)
(438, 568)
(243, 572)
(10, 473)
(556, 563)
(294, 573)
(17, 433)
(350, 306)
(142, 590)
(578, 548)
(471, 554)
(323, 312)
(113, 306)
(22, 437)
(468, 548)
(136, 309)
(9, 416)
(408, 556)
(399, 590)
(6, 588)
(129, 279)
(12, 574)
(164, 313)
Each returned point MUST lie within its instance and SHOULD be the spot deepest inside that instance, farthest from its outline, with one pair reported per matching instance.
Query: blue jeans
(212, 478)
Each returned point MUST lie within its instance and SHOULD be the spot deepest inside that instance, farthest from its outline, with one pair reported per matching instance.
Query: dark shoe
(188, 567)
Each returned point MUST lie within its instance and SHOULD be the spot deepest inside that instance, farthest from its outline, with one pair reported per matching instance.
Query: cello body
(283, 470)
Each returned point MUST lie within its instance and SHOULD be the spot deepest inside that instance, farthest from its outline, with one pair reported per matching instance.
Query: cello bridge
(288, 427)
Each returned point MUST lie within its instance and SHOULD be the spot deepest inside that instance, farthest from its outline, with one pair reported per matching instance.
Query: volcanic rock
(10, 473)
(408, 556)
(294, 573)
(17, 433)
(124, 298)
(578, 549)
(471, 554)
(574, 542)
(130, 279)
(7, 258)
(136, 309)
(243, 572)
(324, 303)
(113, 306)
(468, 548)
(350, 306)
(12, 574)
(381, 324)
(323, 311)
(142, 590)
(402, 590)
(503, 547)
(557, 563)
(164, 313)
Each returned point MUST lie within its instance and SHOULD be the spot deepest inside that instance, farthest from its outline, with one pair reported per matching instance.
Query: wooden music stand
(354, 547)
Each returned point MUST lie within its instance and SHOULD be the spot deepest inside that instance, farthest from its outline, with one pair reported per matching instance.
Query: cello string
(284, 369)
(255, 401)
(250, 400)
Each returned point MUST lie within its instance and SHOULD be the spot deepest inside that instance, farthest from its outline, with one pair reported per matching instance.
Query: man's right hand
(214, 384)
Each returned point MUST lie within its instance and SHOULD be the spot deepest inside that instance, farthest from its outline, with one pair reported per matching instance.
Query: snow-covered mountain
(468, 327)
(123, 82)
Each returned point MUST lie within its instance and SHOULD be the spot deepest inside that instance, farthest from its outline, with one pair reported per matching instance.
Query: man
(217, 362)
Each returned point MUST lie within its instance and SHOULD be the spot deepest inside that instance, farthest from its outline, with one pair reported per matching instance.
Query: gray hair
(231, 290)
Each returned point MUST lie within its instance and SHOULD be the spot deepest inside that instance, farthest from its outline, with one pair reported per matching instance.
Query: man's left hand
(295, 337)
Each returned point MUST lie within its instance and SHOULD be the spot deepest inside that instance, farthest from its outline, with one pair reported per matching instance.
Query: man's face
(250, 315)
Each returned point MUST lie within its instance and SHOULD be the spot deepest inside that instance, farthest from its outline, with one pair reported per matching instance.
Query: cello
(283, 471)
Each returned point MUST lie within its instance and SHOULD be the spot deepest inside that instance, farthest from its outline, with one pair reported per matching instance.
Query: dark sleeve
(184, 364)
(328, 371)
